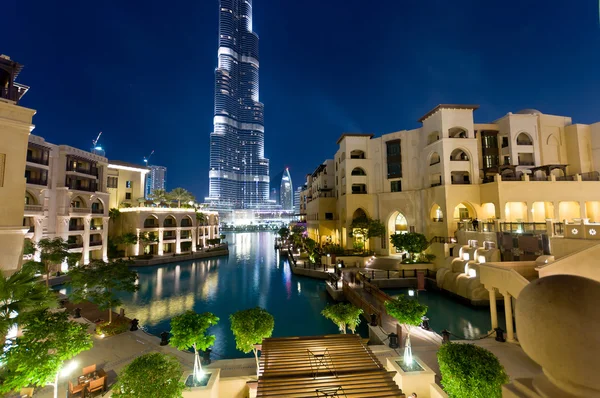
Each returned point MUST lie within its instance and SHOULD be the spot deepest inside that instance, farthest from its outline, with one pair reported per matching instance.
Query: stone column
(86, 239)
(510, 329)
(160, 241)
(556, 213)
(194, 242)
(37, 235)
(178, 240)
(105, 238)
(137, 245)
(203, 237)
(493, 311)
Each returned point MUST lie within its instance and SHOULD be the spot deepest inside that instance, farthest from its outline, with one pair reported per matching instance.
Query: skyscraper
(282, 191)
(239, 171)
(156, 179)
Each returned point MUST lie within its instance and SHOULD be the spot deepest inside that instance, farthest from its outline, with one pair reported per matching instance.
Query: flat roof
(353, 135)
(447, 106)
(127, 164)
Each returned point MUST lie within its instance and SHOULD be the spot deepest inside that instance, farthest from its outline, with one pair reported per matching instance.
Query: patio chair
(75, 389)
(26, 392)
(89, 369)
(96, 385)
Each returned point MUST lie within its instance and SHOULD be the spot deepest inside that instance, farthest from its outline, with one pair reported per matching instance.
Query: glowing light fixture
(466, 256)
(481, 259)
(411, 292)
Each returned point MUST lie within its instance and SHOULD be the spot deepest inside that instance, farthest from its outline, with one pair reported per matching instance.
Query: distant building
(297, 193)
(156, 179)
(282, 191)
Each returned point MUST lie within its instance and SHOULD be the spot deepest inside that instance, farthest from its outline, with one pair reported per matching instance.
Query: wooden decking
(322, 366)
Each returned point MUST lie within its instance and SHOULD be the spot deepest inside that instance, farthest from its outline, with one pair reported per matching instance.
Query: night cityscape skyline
(128, 80)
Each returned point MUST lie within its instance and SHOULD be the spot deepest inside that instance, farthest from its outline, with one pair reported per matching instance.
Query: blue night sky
(142, 72)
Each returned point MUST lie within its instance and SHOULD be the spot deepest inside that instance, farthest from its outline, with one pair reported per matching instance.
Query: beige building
(320, 203)
(175, 230)
(66, 197)
(15, 126)
(523, 167)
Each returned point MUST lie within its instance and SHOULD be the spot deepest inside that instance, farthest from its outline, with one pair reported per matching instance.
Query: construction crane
(147, 159)
(95, 142)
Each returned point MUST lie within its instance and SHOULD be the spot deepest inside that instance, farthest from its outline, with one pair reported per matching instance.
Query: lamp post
(64, 372)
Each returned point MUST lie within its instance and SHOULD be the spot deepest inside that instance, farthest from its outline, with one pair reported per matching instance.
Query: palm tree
(158, 196)
(180, 195)
(20, 293)
(129, 239)
(52, 252)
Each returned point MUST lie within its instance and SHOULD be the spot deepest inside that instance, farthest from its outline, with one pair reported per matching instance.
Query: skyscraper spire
(239, 171)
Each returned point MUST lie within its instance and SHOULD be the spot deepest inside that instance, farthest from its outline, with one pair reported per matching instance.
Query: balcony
(76, 185)
(96, 210)
(169, 237)
(13, 93)
(150, 225)
(93, 171)
(97, 227)
(37, 160)
(75, 245)
(76, 227)
(95, 243)
(36, 208)
(37, 181)
(81, 210)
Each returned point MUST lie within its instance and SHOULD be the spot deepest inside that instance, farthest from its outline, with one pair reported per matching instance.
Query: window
(113, 182)
(463, 213)
(396, 186)
(329, 216)
(128, 195)
(128, 184)
(394, 159)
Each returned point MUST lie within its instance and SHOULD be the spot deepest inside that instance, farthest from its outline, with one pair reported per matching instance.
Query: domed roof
(529, 111)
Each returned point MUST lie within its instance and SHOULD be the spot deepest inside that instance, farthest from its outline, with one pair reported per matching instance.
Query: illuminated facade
(282, 191)
(525, 167)
(156, 179)
(239, 171)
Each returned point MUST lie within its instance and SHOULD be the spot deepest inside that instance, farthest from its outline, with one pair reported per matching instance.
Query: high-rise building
(156, 179)
(239, 171)
(282, 191)
(297, 194)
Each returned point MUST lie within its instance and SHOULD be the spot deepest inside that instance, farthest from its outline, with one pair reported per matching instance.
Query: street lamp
(64, 372)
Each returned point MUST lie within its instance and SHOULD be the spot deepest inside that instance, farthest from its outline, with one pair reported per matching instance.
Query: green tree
(99, 283)
(147, 239)
(469, 371)
(19, 293)
(128, 239)
(366, 228)
(283, 233)
(52, 253)
(28, 247)
(37, 357)
(114, 214)
(250, 327)
(151, 375)
(412, 242)
(344, 315)
(188, 330)
(408, 313)
(158, 196)
(180, 195)
(312, 249)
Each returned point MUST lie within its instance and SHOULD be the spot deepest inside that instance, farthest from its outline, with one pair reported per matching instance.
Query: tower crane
(147, 159)
(95, 142)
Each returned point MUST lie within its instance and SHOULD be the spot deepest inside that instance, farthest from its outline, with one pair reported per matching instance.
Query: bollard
(77, 313)
(134, 325)
(425, 323)
(499, 335)
(373, 319)
(164, 338)
(206, 357)
(393, 340)
(445, 336)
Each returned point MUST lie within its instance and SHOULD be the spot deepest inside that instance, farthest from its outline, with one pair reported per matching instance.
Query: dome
(529, 111)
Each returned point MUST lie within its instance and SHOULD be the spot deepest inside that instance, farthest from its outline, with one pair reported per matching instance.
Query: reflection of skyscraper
(282, 191)
(239, 171)
(156, 179)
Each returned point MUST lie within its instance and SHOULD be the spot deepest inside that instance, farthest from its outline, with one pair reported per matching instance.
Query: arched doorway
(515, 212)
(436, 214)
(569, 211)
(397, 224)
(540, 211)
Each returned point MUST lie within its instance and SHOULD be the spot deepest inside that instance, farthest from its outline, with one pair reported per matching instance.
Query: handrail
(360, 302)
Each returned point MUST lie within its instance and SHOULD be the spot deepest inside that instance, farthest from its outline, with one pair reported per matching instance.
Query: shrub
(469, 371)
(111, 329)
(150, 376)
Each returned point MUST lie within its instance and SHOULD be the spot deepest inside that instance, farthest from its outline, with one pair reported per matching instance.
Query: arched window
(435, 159)
(400, 224)
(151, 222)
(97, 207)
(457, 132)
(78, 202)
(433, 137)
(170, 222)
(524, 139)
(458, 155)
(357, 171)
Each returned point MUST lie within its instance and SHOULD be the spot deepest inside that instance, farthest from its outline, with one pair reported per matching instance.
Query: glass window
(128, 195)
(396, 186)
(128, 184)
(394, 159)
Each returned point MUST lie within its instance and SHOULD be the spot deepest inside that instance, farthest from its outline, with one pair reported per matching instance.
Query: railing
(487, 227)
(359, 192)
(97, 210)
(442, 239)
(81, 210)
(559, 229)
(360, 302)
(75, 245)
(91, 188)
(524, 142)
(37, 160)
(96, 243)
(438, 219)
(434, 162)
(526, 163)
(13, 93)
(566, 178)
(76, 227)
(148, 225)
(33, 208)
(540, 178)
(96, 227)
(395, 274)
(93, 171)
(435, 184)
(170, 225)
(454, 182)
(523, 227)
(169, 237)
(37, 181)
(591, 176)
(186, 224)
